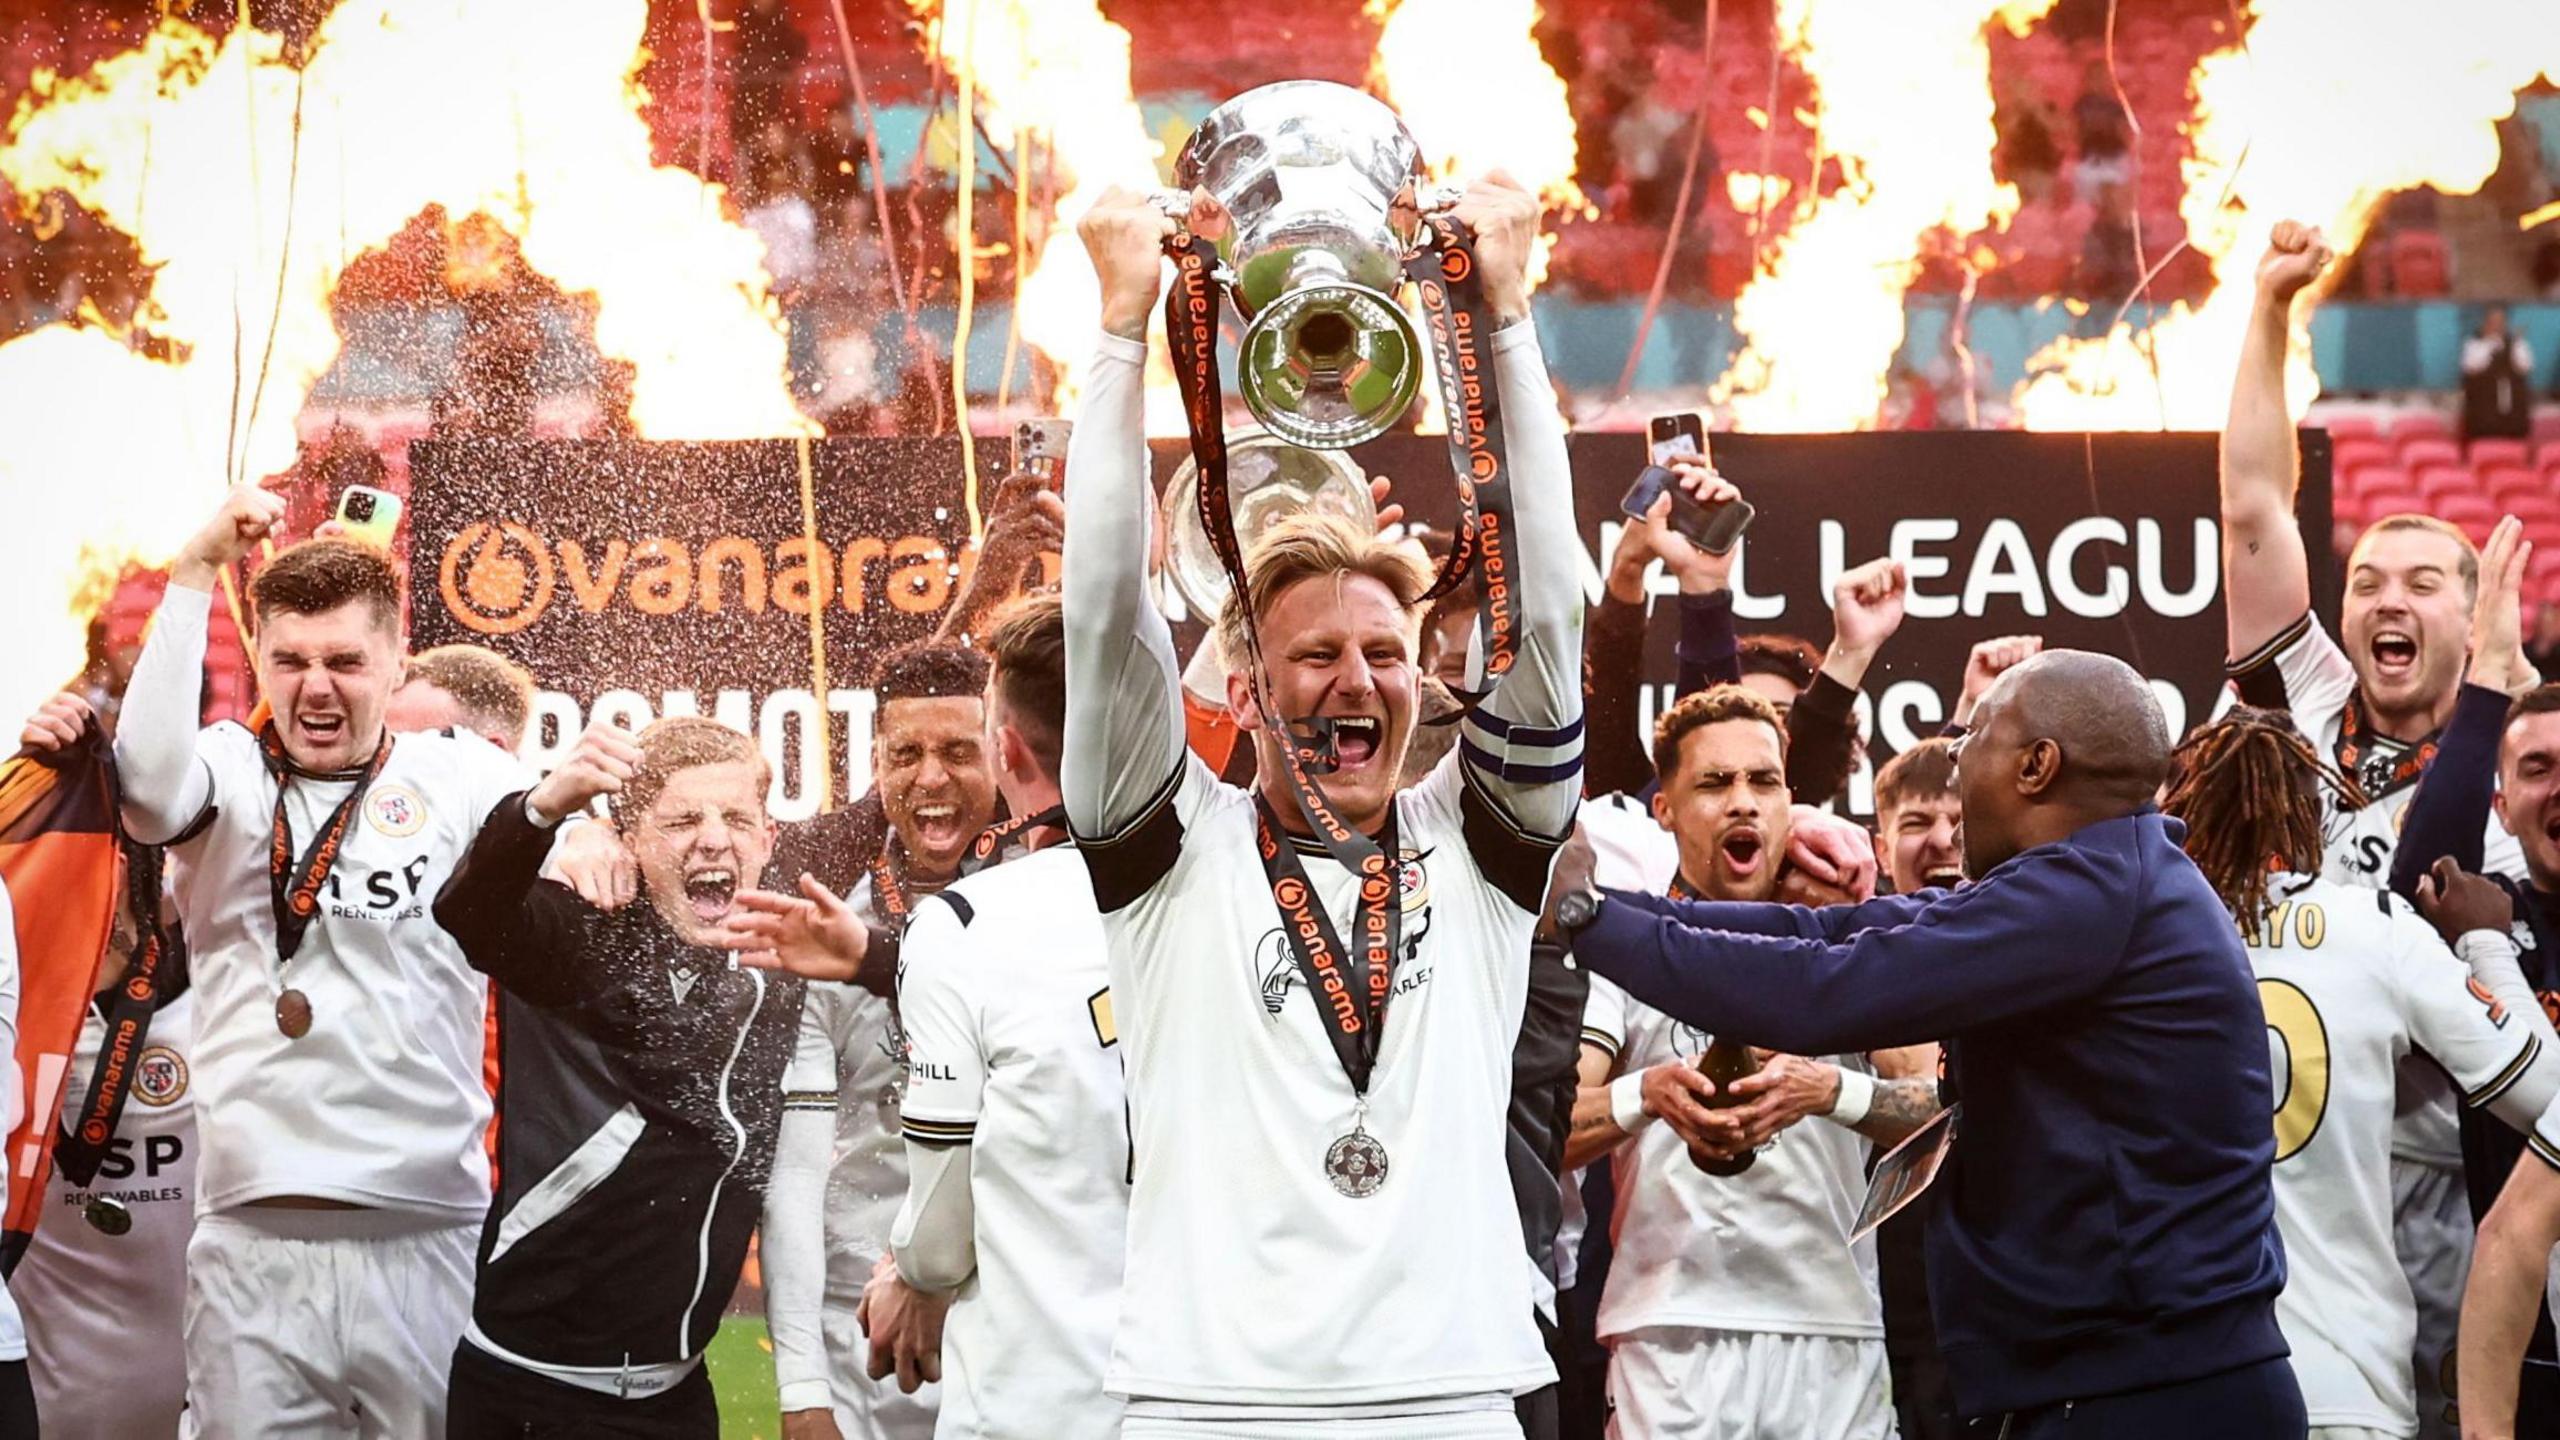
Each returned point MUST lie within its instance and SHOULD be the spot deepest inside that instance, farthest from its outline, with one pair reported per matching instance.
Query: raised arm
(1969, 958)
(1124, 740)
(166, 788)
(1523, 746)
(2266, 577)
(1619, 757)
(1822, 727)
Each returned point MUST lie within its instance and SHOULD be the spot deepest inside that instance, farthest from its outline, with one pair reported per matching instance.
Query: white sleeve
(935, 1239)
(2475, 354)
(1124, 740)
(1523, 746)
(794, 1248)
(946, 1060)
(1604, 1019)
(2479, 1037)
(167, 785)
(2317, 676)
(2524, 356)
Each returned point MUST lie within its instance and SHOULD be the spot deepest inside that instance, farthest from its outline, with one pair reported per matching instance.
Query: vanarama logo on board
(498, 578)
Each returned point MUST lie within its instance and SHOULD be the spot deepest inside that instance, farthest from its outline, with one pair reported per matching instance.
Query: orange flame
(1905, 111)
(2331, 107)
(1057, 70)
(530, 114)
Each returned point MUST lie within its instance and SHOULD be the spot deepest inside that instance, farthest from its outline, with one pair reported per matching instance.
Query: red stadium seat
(2377, 503)
(2533, 510)
(2472, 512)
(2353, 425)
(2419, 452)
(2488, 454)
(2414, 423)
(2371, 480)
(2363, 452)
(2546, 425)
(2442, 482)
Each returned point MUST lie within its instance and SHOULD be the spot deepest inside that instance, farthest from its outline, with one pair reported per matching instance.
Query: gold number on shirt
(2305, 1097)
(1105, 1028)
(2308, 923)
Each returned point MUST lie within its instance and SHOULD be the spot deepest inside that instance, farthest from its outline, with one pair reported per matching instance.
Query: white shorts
(313, 1323)
(2349, 1432)
(1676, 1383)
(2431, 1230)
(868, 1409)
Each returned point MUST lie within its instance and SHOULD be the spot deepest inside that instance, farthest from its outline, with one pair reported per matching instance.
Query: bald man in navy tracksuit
(2103, 1255)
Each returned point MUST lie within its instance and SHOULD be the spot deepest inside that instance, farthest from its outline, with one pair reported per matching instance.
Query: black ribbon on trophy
(1329, 361)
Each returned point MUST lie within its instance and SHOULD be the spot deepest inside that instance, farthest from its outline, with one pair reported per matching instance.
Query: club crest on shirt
(396, 811)
(1275, 965)
(159, 1077)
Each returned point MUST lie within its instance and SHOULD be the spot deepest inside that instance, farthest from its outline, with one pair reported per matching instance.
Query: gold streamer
(966, 243)
(817, 631)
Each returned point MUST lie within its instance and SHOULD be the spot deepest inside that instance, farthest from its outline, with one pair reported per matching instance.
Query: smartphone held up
(1717, 528)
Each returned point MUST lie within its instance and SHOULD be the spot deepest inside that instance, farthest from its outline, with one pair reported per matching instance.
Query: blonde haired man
(1321, 1237)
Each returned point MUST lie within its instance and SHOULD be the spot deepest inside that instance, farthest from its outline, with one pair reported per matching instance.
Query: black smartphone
(1715, 529)
(1040, 448)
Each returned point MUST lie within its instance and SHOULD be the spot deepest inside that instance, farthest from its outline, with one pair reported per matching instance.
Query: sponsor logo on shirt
(396, 811)
(159, 1077)
(1275, 966)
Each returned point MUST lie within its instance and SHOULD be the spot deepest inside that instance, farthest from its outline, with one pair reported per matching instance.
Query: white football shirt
(2318, 679)
(382, 1103)
(2353, 981)
(1766, 1251)
(103, 1371)
(1013, 1050)
(850, 1045)
(1318, 1298)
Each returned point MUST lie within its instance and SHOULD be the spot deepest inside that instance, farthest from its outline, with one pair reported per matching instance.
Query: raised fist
(2296, 254)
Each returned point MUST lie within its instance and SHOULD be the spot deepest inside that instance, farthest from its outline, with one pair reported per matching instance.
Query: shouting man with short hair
(642, 1092)
(338, 1048)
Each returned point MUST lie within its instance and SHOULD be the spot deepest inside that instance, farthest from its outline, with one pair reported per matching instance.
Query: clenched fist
(603, 761)
(2296, 256)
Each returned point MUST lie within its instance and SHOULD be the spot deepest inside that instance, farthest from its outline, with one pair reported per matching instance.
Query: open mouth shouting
(710, 891)
(938, 827)
(2395, 654)
(1742, 851)
(1357, 739)
(321, 728)
(1944, 877)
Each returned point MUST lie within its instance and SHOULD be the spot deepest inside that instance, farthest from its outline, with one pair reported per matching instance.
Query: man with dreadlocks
(2353, 980)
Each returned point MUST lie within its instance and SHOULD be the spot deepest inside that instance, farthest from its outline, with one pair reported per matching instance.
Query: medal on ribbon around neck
(294, 886)
(1357, 1163)
(107, 1215)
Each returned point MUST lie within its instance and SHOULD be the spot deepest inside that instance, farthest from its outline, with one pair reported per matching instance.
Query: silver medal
(1356, 1164)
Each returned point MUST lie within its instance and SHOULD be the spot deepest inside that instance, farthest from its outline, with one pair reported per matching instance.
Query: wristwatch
(1576, 909)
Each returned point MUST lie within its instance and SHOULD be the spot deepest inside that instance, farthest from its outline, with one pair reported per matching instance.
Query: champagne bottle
(1726, 1061)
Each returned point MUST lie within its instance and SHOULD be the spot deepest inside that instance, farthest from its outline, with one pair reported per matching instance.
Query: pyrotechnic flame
(1478, 95)
(1472, 85)
(2336, 104)
(528, 113)
(1905, 111)
(1058, 71)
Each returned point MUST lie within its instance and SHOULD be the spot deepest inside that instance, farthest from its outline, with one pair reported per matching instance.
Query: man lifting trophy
(1322, 1237)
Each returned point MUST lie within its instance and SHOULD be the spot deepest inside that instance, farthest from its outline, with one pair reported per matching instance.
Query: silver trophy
(1311, 171)
(1268, 481)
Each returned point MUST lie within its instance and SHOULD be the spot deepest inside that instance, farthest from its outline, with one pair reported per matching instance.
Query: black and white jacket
(639, 1095)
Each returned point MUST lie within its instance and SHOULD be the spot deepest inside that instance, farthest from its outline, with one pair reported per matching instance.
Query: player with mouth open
(2374, 701)
(1322, 1236)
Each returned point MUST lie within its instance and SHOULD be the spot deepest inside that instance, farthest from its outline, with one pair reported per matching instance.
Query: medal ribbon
(294, 889)
(983, 851)
(1350, 989)
(2353, 740)
(82, 1147)
(1353, 1006)
(889, 892)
